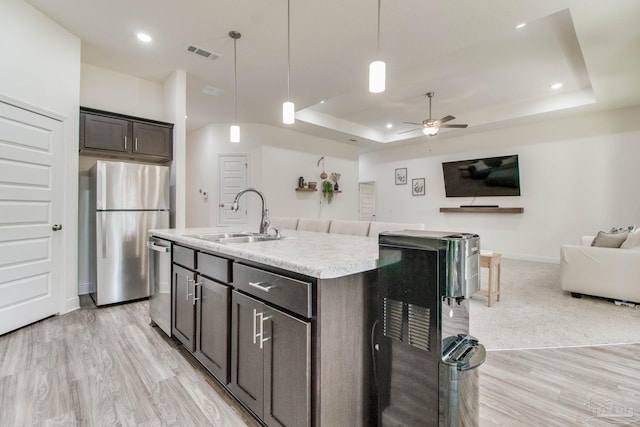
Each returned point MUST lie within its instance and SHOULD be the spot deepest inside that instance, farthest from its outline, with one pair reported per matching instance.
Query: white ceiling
(482, 69)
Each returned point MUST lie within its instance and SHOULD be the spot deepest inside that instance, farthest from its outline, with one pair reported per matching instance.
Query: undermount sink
(241, 237)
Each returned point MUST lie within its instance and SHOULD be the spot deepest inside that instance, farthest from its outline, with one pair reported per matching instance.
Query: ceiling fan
(430, 126)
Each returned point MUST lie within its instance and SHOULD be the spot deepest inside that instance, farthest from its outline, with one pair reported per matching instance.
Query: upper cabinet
(115, 135)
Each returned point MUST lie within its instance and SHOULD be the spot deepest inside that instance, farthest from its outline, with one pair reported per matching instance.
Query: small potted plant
(327, 191)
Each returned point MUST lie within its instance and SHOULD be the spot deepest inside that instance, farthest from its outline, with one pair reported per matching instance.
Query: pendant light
(234, 132)
(377, 69)
(288, 108)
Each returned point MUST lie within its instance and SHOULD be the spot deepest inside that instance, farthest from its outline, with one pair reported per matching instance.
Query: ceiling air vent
(202, 52)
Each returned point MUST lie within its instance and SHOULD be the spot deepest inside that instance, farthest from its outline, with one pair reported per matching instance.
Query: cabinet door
(152, 140)
(287, 362)
(106, 133)
(183, 306)
(247, 371)
(212, 328)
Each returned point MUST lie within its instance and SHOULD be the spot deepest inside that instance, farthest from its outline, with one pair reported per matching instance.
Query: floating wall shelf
(484, 210)
(306, 189)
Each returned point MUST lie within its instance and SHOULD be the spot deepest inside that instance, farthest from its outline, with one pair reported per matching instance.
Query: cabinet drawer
(214, 267)
(184, 256)
(290, 294)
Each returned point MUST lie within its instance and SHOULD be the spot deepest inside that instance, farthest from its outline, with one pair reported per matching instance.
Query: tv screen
(492, 176)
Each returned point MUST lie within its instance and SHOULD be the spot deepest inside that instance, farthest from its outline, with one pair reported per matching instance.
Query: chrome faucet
(265, 221)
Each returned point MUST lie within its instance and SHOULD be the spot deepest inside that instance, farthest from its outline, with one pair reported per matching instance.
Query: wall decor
(401, 176)
(418, 187)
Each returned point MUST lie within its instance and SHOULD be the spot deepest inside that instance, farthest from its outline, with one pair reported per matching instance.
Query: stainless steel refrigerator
(127, 199)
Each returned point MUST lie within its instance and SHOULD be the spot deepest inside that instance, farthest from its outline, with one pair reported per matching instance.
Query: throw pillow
(609, 240)
(632, 241)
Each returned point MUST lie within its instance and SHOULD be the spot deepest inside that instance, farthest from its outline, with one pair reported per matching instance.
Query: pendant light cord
(378, 38)
(235, 82)
(288, 50)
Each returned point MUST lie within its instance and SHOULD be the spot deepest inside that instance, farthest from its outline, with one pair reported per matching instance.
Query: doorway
(367, 201)
(232, 178)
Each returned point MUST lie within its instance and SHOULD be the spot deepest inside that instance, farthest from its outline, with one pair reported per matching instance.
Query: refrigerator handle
(103, 233)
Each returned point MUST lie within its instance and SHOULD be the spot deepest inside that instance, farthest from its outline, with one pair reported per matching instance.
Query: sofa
(337, 226)
(603, 270)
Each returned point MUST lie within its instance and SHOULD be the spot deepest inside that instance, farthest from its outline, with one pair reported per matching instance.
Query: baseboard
(71, 304)
(84, 288)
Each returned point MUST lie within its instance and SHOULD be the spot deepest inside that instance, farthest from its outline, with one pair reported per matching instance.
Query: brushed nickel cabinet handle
(195, 292)
(259, 285)
(255, 318)
(125, 143)
(136, 145)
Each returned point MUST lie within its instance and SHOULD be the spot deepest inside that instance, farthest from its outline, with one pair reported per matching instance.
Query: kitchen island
(298, 308)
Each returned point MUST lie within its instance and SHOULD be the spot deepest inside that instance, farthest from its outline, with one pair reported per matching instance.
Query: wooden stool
(492, 262)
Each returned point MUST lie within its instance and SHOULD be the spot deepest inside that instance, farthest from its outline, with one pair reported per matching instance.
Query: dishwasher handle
(158, 248)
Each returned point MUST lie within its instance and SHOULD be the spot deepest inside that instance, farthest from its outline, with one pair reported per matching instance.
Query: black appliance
(491, 176)
(425, 361)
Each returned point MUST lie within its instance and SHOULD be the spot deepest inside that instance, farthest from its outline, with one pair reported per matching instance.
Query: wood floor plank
(108, 367)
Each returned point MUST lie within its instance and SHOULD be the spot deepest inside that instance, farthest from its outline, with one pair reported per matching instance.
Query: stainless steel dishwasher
(160, 283)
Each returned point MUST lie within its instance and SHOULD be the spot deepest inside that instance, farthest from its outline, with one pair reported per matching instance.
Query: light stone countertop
(320, 255)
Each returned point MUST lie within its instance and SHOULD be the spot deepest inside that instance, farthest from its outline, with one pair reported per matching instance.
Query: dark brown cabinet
(115, 135)
(212, 327)
(270, 350)
(200, 307)
(183, 307)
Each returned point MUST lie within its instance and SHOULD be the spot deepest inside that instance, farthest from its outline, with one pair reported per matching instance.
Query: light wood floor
(108, 367)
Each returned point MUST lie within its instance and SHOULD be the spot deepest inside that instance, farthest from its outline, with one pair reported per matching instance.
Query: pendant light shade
(234, 131)
(377, 69)
(288, 108)
(288, 113)
(377, 76)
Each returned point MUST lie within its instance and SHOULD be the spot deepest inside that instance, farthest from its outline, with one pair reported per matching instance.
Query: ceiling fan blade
(407, 131)
(454, 126)
(413, 123)
(446, 119)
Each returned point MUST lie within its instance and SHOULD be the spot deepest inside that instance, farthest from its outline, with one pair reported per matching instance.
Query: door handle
(158, 248)
(56, 227)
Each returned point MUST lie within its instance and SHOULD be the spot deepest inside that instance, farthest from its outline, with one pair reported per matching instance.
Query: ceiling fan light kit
(431, 127)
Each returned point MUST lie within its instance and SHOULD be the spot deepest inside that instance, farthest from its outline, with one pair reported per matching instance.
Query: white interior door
(232, 178)
(367, 201)
(31, 180)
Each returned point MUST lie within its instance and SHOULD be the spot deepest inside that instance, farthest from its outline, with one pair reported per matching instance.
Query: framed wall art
(401, 176)
(418, 187)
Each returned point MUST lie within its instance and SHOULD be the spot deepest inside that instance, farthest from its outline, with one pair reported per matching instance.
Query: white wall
(40, 66)
(578, 175)
(277, 157)
(108, 90)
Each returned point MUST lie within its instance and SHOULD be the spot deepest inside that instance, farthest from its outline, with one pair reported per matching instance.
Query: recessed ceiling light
(322, 102)
(521, 25)
(556, 86)
(389, 125)
(144, 37)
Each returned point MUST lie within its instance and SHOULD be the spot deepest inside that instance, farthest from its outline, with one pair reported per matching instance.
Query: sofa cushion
(610, 240)
(632, 241)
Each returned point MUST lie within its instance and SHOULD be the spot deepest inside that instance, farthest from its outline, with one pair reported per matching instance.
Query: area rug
(534, 312)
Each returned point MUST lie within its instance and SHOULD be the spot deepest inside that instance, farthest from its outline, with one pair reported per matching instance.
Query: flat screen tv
(492, 176)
